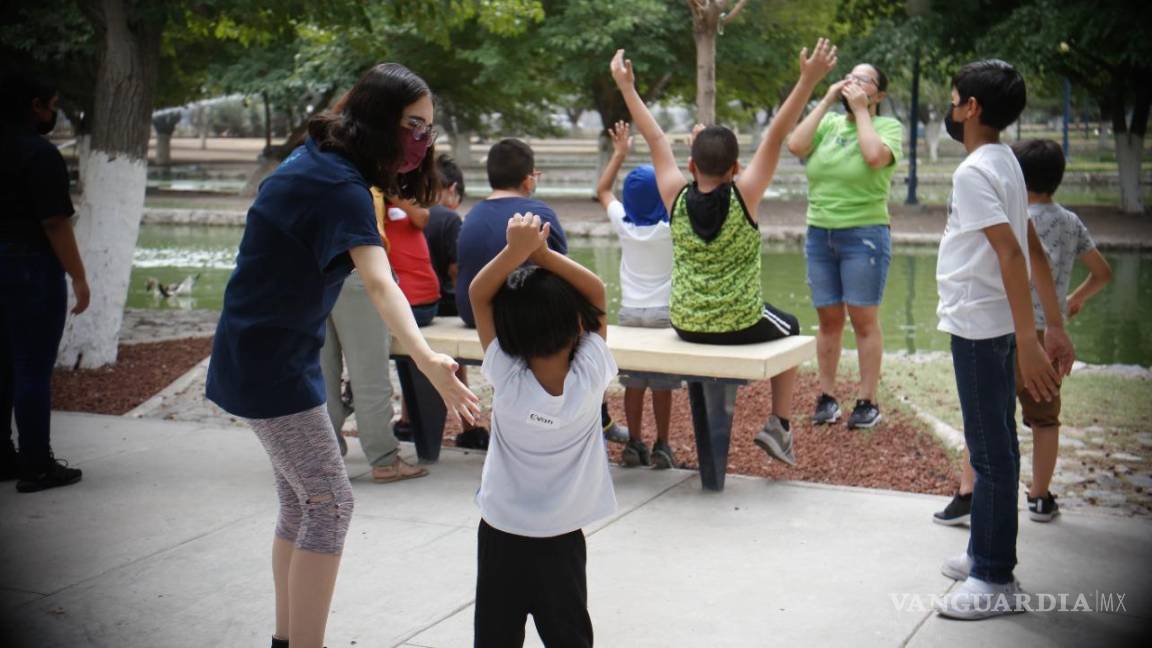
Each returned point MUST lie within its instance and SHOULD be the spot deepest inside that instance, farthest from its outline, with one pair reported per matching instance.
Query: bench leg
(713, 404)
(426, 410)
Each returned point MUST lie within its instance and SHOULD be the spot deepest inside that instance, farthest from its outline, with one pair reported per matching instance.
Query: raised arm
(621, 142)
(372, 264)
(524, 236)
(755, 178)
(582, 279)
(800, 141)
(668, 176)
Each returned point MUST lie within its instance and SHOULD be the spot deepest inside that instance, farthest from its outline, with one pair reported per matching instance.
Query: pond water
(1112, 329)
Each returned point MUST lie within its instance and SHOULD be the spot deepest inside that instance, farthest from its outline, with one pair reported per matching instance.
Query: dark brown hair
(364, 126)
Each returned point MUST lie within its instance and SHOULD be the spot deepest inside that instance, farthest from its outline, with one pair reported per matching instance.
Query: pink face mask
(414, 150)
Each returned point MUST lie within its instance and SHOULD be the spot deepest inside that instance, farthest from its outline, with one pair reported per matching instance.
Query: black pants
(773, 324)
(544, 577)
(33, 305)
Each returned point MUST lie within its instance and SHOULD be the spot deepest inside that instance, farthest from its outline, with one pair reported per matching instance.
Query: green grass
(1089, 399)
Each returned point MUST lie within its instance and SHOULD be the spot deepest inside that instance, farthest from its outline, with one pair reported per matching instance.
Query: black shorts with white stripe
(772, 325)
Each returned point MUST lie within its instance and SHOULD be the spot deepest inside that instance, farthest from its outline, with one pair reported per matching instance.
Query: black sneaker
(402, 430)
(1043, 509)
(475, 438)
(635, 454)
(958, 511)
(51, 474)
(827, 410)
(662, 457)
(864, 415)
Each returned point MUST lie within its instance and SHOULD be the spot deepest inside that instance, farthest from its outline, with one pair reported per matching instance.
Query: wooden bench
(713, 374)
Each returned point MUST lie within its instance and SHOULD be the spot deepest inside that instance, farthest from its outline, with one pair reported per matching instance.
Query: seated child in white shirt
(543, 332)
(641, 222)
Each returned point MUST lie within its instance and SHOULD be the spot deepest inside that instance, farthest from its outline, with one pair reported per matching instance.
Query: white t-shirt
(987, 189)
(645, 260)
(546, 473)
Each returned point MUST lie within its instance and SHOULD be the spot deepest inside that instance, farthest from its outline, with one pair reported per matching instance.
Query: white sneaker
(974, 599)
(957, 567)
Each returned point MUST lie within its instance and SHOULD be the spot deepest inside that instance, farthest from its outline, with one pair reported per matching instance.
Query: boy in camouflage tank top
(716, 241)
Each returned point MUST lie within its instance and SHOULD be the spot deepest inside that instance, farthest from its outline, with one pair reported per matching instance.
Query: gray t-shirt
(1065, 239)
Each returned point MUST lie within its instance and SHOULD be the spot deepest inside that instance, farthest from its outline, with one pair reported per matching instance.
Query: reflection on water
(1112, 328)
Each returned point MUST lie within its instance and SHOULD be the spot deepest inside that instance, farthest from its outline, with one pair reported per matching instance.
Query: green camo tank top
(715, 284)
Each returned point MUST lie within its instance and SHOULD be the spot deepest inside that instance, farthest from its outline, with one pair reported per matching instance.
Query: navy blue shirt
(34, 183)
(484, 234)
(292, 262)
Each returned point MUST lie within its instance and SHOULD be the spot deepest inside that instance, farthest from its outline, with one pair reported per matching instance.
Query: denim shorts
(848, 266)
(646, 318)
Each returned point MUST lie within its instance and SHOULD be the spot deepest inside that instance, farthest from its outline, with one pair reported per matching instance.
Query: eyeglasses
(421, 130)
(536, 175)
(861, 79)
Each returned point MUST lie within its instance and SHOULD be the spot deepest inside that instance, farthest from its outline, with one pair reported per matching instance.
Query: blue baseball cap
(642, 202)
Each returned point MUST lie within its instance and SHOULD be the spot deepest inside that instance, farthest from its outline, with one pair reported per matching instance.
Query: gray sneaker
(635, 454)
(776, 441)
(662, 457)
(614, 433)
(827, 410)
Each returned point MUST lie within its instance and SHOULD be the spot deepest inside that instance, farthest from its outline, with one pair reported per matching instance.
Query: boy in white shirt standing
(982, 275)
(641, 223)
(543, 331)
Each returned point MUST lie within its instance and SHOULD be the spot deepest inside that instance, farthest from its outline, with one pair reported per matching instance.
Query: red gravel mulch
(899, 454)
(141, 370)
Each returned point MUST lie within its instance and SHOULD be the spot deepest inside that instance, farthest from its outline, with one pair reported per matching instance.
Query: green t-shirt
(843, 191)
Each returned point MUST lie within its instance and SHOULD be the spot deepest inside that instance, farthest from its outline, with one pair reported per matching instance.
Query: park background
(176, 110)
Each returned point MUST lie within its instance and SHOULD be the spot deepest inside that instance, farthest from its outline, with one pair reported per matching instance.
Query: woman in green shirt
(850, 159)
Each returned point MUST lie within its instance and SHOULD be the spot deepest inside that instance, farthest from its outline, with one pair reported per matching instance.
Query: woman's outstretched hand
(460, 402)
(823, 60)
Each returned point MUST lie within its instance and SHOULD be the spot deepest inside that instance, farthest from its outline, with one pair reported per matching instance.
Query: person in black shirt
(443, 229)
(37, 248)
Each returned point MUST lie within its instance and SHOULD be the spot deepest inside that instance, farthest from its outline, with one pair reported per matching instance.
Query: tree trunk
(114, 177)
(462, 148)
(1129, 149)
(1129, 138)
(932, 136)
(704, 32)
(268, 163)
(163, 149)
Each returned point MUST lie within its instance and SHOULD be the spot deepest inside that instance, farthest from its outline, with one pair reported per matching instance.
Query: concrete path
(166, 544)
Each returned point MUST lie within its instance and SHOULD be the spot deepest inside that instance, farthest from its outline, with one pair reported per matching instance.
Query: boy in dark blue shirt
(513, 176)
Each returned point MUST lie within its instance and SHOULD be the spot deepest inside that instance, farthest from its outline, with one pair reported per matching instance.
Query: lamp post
(915, 8)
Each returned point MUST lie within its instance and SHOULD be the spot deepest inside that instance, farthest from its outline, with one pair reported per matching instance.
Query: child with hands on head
(543, 330)
(716, 296)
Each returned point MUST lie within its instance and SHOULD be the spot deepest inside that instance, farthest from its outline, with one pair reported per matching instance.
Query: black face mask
(46, 127)
(955, 129)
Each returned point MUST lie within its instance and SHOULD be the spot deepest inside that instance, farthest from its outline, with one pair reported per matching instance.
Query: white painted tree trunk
(106, 229)
(1129, 150)
(932, 134)
(83, 147)
(462, 148)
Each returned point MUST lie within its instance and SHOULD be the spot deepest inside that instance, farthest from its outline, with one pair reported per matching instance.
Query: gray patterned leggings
(311, 481)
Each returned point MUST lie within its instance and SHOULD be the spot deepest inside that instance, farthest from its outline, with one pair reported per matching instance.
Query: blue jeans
(848, 266)
(986, 381)
(33, 305)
